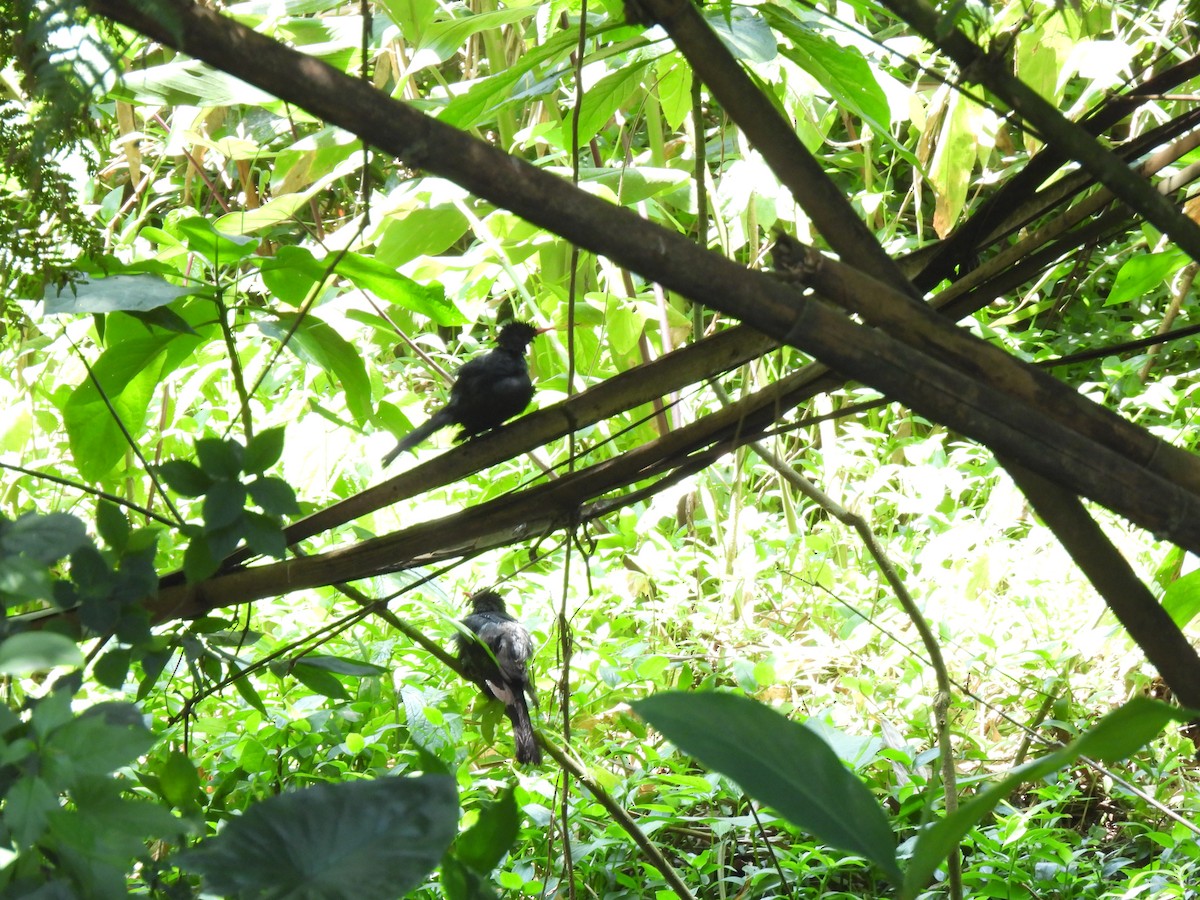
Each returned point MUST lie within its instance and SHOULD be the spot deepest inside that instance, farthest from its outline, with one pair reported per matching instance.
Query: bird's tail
(439, 419)
(528, 750)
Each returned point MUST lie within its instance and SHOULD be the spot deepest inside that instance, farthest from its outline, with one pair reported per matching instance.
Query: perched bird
(495, 655)
(487, 390)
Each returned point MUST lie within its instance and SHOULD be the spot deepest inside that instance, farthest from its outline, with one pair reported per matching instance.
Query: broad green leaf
(957, 147)
(317, 343)
(224, 504)
(112, 668)
(442, 40)
(411, 16)
(388, 284)
(184, 477)
(274, 495)
(515, 85)
(361, 840)
(217, 247)
(1117, 735)
(263, 451)
(43, 538)
(188, 83)
(341, 665)
(845, 73)
(1143, 274)
(116, 293)
(744, 32)
(129, 374)
(102, 739)
(603, 99)
(112, 525)
(179, 780)
(781, 764)
(220, 458)
(674, 88)
(320, 681)
(423, 231)
(37, 651)
(630, 186)
(1182, 598)
(483, 845)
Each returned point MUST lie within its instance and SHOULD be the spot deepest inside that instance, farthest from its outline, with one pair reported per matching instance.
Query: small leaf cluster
(218, 478)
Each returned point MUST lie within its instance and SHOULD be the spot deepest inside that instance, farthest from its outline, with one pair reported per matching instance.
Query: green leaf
(263, 451)
(37, 651)
(603, 99)
(247, 692)
(1144, 274)
(220, 459)
(744, 32)
(116, 293)
(320, 681)
(363, 840)
(185, 477)
(112, 668)
(422, 231)
(199, 560)
(1117, 735)
(223, 504)
(187, 83)
(129, 373)
(218, 248)
(388, 284)
(315, 342)
(179, 780)
(443, 39)
(102, 739)
(483, 845)
(43, 538)
(274, 495)
(342, 666)
(112, 525)
(1181, 599)
(263, 534)
(780, 763)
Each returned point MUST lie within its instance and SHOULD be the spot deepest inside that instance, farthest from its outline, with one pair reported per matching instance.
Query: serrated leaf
(263, 451)
(220, 459)
(274, 495)
(263, 535)
(43, 538)
(363, 840)
(224, 504)
(185, 477)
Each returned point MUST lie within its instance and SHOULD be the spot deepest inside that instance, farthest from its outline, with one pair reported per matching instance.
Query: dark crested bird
(495, 655)
(487, 390)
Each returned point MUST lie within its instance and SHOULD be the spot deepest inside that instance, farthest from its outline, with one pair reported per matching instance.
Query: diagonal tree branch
(1030, 435)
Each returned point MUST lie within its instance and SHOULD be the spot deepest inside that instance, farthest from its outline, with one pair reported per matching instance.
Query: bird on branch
(494, 650)
(487, 390)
